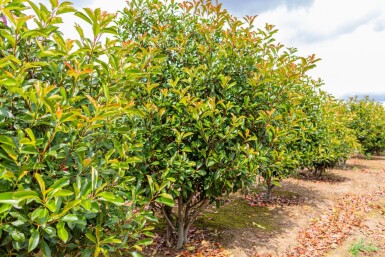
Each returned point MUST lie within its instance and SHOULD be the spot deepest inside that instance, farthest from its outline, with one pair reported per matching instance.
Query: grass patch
(360, 246)
(238, 214)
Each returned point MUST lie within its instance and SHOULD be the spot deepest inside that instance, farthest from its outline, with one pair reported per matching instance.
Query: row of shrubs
(163, 110)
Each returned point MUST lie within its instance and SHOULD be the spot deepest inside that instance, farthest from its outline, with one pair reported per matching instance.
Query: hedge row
(180, 105)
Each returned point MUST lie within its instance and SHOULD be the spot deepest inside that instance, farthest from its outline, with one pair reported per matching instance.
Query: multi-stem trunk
(319, 170)
(179, 222)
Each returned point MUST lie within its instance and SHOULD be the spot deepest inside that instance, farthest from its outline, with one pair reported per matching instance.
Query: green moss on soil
(285, 194)
(238, 214)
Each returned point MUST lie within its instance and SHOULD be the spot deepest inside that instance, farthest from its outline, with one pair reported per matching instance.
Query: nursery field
(177, 129)
(340, 214)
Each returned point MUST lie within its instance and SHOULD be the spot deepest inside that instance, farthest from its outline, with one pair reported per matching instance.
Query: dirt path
(302, 207)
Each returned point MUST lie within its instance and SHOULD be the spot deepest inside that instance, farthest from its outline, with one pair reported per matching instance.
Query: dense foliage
(166, 101)
(331, 141)
(228, 105)
(192, 119)
(368, 124)
(65, 144)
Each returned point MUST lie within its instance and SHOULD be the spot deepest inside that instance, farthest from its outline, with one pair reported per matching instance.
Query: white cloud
(348, 35)
(112, 6)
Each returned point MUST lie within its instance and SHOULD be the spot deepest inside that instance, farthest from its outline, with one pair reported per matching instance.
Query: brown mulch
(260, 200)
(333, 227)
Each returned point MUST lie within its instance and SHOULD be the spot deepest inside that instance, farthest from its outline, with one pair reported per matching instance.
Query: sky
(348, 35)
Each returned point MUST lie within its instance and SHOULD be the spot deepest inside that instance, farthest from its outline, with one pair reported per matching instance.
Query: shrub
(331, 141)
(368, 123)
(222, 108)
(65, 140)
(191, 121)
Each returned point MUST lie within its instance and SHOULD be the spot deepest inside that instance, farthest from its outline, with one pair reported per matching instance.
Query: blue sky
(348, 35)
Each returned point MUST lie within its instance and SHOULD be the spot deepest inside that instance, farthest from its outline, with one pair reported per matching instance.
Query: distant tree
(368, 124)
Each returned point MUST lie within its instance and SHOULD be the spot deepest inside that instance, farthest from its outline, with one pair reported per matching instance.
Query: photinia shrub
(368, 124)
(223, 109)
(332, 142)
(66, 144)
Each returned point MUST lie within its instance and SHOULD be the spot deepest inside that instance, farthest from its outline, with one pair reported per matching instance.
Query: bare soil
(306, 217)
(361, 177)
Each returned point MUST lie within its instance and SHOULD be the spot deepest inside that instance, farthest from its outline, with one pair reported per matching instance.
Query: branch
(169, 222)
(190, 219)
(197, 210)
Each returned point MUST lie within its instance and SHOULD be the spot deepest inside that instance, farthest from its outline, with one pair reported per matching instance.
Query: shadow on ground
(353, 167)
(373, 157)
(327, 177)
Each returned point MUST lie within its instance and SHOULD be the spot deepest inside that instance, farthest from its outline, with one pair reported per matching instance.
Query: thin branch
(197, 210)
(169, 222)
(190, 219)
(197, 203)
(190, 199)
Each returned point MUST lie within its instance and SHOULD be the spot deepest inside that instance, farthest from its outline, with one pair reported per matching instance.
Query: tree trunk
(181, 235)
(178, 228)
(185, 236)
(270, 187)
(319, 170)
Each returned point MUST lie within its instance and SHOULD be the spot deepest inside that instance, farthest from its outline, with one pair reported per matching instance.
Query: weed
(360, 246)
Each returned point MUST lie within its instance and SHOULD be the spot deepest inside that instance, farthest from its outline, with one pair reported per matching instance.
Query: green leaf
(54, 3)
(41, 183)
(17, 236)
(33, 240)
(79, 30)
(110, 197)
(165, 195)
(7, 140)
(45, 249)
(86, 203)
(111, 240)
(5, 208)
(60, 183)
(7, 198)
(91, 237)
(65, 9)
(70, 218)
(165, 201)
(40, 215)
(11, 153)
(151, 217)
(62, 192)
(83, 17)
(30, 134)
(145, 241)
(61, 231)
(81, 149)
(26, 194)
(65, 209)
(5, 113)
(29, 149)
(87, 252)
